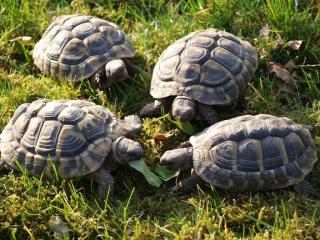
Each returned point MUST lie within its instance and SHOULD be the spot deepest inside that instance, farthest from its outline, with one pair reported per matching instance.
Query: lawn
(137, 210)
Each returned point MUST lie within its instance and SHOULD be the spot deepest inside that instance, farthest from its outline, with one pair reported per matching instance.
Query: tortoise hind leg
(304, 188)
(189, 184)
(105, 181)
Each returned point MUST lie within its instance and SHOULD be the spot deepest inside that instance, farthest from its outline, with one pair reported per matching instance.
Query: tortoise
(76, 47)
(246, 153)
(203, 69)
(78, 137)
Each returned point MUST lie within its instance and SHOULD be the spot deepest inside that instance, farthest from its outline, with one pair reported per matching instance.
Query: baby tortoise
(204, 69)
(247, 153)
(76, 47)
(78, 137)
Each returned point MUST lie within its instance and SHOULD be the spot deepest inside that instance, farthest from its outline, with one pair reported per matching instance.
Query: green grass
(136, 210)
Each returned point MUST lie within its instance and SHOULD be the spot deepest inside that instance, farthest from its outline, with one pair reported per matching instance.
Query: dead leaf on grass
(288, 82)
(160, 138)
(21, 39)
(59, 227)
(264, 31)
(295, 44)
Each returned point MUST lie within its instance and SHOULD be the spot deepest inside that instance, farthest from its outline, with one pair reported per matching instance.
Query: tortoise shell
(74, 135)
(75, 47)
(252, 153)
(210, 66)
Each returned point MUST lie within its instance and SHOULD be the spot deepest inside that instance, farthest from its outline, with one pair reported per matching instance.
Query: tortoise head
(177, 159)
(183, 108)
(125, 150)
(116, 71)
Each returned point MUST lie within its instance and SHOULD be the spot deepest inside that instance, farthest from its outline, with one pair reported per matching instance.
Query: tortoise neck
(110, 163)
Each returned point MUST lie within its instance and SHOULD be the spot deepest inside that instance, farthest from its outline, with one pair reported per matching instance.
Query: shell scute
(52, 110)
(294, 146)
(46, 143)
(92, 127)
(57, 44)
(200, 41)
(71, 141)
(84, 30)
(74, 52)
(97, 44)
(30, 137)
(188, 74)
(249, 156)
(71, 115)
(213, 75)
(20, 125)
(195, 55)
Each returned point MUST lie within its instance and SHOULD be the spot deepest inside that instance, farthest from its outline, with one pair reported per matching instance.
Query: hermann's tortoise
(247, 153)
(204, 69)
(78, 137)
(77, 47)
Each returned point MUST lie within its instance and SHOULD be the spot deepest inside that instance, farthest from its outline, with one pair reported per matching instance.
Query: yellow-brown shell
(76, 46)
(252, 153)
(210, 66)
(74, 135)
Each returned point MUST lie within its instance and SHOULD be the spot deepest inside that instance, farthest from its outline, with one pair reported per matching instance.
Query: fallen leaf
(285, 76)
(295, 44)
(58, 226)
(153, 179)
(160, 138)
(264, 31)
(278, 42)
(21, 38)
(290, 65)
(187, 127)
(165, 173)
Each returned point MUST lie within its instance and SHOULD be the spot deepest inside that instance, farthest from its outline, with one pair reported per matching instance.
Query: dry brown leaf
(288, 82)
(295, 44)
(21, 38)
(59, 227)
(264, 31)
(290, 65)
(160, 138)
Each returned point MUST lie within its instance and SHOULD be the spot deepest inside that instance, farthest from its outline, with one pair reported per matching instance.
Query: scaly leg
(105, 181)
(304, 188)
(154, 109)
(189, 184)
(207, 114)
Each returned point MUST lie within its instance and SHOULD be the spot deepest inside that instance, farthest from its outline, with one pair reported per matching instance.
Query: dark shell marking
(75, 135)
(252, 153)
(210, 66)
(74, 47)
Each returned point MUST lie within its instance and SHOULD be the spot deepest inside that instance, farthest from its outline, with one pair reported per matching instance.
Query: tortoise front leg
(206, 114)
(189, 184)
(105, 180)
(98, 79)
(154, 109)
